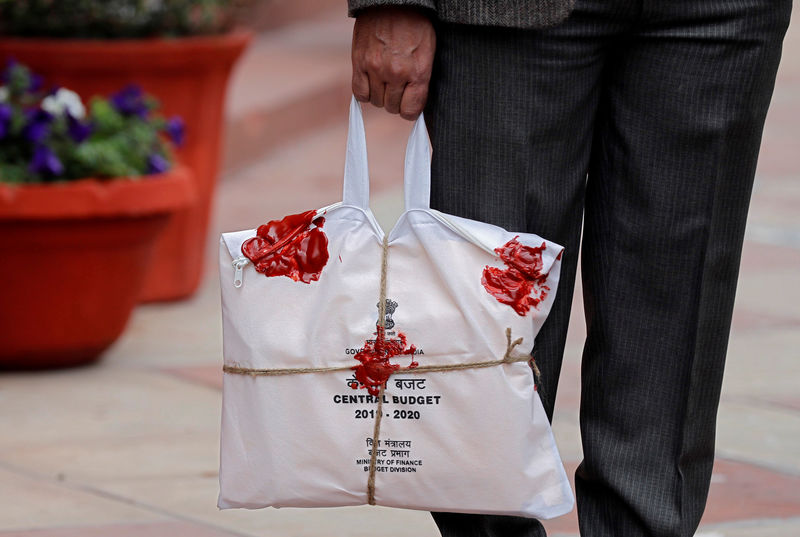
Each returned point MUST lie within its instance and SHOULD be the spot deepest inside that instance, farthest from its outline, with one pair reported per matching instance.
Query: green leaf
(13, 173)
(105, 118)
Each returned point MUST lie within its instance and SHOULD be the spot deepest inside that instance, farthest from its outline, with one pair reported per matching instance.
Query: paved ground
(129, 447)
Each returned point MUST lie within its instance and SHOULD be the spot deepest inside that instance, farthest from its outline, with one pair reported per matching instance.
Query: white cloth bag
(473, 440)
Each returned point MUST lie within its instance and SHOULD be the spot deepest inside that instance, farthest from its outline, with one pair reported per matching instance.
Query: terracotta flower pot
(189, 76)
(74, 261)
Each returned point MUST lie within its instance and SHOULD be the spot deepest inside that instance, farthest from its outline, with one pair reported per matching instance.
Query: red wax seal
(375, 368)
(290, 247)
(521, 285)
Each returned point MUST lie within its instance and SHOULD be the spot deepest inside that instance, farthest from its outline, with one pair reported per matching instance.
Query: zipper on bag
(238, 265)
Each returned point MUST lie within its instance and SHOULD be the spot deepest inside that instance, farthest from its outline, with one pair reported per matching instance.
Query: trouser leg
(511, 115)
(676, 142)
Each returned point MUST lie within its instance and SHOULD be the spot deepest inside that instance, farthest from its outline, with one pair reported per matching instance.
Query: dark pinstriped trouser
(662, 104)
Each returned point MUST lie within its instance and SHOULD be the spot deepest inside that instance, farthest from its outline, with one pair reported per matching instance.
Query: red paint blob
(290, 247)
(375, 368)
(521, 285)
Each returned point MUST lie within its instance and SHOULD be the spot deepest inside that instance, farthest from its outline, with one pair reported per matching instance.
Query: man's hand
(392, 54)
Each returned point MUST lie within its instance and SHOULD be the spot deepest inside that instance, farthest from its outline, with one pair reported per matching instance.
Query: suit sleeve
(353, 6)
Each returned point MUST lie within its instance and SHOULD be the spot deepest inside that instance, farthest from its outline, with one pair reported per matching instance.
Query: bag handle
(417, 174)
(356, 168)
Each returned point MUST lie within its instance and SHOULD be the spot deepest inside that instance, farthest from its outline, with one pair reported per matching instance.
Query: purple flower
(46, 162)
(38, 125)
(157, 163)
(5, 118)
(129, 101)
(11, 63)
(176, 130)
(36, 83)
(78, 130)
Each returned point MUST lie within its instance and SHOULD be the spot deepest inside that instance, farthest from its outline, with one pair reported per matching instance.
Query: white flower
(3, 94)
(64, 100)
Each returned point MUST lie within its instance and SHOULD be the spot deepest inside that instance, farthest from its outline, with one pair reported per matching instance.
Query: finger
(393, 97)
(360, 85)
(360, 81)
(376, 90)
(413, 102)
